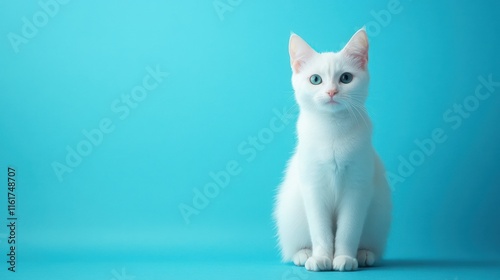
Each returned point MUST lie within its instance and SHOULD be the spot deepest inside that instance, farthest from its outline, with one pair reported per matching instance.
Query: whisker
(349, 107)
(362, 112)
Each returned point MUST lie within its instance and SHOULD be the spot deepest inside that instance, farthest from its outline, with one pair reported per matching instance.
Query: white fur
(334, 199)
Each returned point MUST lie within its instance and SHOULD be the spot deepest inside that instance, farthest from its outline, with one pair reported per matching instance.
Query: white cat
(333, 208)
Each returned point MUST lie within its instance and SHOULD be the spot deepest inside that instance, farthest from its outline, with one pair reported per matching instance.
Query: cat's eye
(346, 78)
(315, 79)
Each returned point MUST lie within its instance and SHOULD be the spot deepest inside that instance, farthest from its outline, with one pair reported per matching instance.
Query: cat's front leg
(351, 217)
(318, 212)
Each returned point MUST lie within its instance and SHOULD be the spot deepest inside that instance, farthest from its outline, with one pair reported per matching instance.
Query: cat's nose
(332, 92)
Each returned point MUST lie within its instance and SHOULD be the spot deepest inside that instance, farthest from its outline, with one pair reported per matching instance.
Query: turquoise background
(221, 103)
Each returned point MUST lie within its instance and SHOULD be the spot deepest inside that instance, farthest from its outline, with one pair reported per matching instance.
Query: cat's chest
(329, 158)
(332, 158)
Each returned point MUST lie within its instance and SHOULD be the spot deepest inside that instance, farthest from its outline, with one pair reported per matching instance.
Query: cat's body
(333, 207)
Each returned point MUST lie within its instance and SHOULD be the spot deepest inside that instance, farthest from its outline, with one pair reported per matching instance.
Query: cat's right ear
(299, 51)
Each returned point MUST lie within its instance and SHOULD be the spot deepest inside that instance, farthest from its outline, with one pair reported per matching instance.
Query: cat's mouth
(331, 101)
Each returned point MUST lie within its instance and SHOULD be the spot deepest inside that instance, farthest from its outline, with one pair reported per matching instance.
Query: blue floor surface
(144, 270)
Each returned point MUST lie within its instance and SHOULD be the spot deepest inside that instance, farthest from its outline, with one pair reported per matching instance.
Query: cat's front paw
(365, 258)
(300, 258)
(344, 263)
(318, 263)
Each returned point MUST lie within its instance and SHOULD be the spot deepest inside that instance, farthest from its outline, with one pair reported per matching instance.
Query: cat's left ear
(357, 48)
(299, 51)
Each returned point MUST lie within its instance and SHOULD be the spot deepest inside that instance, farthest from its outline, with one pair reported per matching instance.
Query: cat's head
(330, 82)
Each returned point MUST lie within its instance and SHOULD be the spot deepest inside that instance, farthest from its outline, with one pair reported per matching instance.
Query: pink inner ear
(361, 58)
(296, 66)
(357, 48)
(363, 61)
